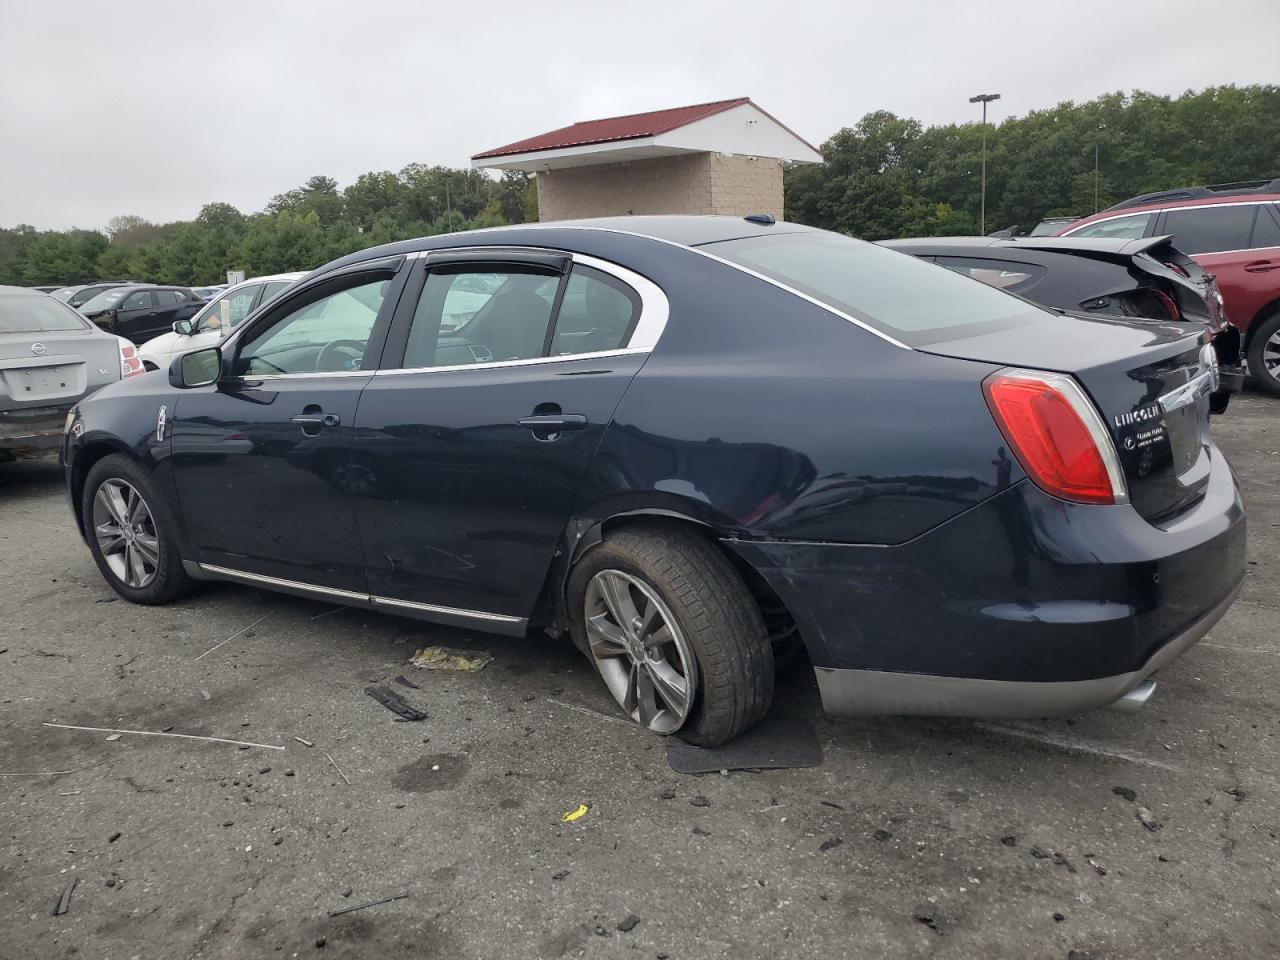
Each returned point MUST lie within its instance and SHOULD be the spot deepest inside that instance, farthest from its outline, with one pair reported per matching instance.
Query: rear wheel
(674, 633)
(130, 532)
(1264, 355)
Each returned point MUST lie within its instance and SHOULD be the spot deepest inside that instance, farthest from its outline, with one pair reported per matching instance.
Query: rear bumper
(1023, 605)
(848, 693)
(34, 430)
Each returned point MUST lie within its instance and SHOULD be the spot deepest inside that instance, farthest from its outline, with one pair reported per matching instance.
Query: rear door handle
(554, 422)
(316, 419)
(1261, 266)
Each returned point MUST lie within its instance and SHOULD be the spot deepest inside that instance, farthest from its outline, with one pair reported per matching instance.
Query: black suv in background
(139, 312)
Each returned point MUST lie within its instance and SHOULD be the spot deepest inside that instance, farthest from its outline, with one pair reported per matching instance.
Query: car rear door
(260, 459)
(1221, 239)
(472, 439)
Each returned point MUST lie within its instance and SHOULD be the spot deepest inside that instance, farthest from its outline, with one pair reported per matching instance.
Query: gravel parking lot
(1018, 839)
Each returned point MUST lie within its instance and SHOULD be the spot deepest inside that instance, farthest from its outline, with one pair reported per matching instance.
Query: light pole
(984, 99)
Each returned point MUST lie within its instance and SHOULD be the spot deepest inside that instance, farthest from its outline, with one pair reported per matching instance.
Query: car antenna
(763, 218)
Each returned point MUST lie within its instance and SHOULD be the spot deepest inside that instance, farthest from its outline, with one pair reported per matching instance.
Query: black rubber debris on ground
(775, 743)
(830, 844)
(406, 682)
(700, 801)
(883, 835)
(1009, 840)
(1127, 792)
(395, 703)
(627, 923)
(833, 806)
(926, 913)
(64, 901)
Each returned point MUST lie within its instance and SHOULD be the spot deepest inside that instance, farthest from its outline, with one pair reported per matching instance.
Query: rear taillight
(1166, 301)
(1056, 434)
(130, 363)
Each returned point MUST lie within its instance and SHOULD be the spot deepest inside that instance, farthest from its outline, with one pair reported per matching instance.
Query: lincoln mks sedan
(695, 445)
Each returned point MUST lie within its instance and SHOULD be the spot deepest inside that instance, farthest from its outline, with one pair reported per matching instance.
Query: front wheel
(130, 531)
(1264, 355)
(674, 633)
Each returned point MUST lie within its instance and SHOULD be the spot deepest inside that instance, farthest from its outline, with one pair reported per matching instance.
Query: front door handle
(1261, 266)
(316, 420)
(554, 422)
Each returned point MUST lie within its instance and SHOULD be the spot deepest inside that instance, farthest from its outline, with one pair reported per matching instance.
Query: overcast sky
(155, 108)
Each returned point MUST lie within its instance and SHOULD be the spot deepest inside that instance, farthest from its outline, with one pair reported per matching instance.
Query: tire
(716, 623)
(1258, 355)
(151, 547)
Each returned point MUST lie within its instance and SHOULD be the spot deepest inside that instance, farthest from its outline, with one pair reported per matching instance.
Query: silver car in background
(50, 357)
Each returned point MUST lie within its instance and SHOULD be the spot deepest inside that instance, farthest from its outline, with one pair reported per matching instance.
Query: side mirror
(183, 328)
(196, 369)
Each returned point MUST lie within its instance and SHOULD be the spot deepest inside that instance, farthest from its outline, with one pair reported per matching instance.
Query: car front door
(136, 316)
(260, 458)
(472, 440)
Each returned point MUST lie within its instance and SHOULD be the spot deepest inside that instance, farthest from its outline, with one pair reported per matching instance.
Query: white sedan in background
(222, 315)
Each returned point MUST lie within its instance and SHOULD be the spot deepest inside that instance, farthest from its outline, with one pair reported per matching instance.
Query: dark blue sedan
(694, 444)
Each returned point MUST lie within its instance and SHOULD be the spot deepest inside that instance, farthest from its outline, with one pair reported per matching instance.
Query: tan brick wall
(698, 183)
(742, 185)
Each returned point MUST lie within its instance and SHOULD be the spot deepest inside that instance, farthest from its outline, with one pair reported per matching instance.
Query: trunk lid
(54, 368)
(1149, 381)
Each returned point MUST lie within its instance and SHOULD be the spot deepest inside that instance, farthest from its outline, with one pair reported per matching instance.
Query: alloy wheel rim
(1271, 355)
(126, 533)
(640, 651)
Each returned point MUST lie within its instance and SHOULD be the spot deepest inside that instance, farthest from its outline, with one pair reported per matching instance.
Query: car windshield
(911, 300)
(64, 294)
(36, 313)
(105, 300)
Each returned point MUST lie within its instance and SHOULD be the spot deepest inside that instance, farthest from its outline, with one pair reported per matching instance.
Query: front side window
(466, 317)
(326, 335)
(900, 295)
(228, 310)
(102, 301)
(1132, 227)
(1211, 229)
(137, 301)
(1001, 274)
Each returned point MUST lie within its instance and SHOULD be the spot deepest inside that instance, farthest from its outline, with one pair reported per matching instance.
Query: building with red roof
(725, 157)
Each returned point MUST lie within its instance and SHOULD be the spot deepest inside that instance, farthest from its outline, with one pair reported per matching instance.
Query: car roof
(686, 231)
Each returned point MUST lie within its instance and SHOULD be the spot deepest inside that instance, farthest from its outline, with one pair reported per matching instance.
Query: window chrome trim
(1189, 206)
(655, 310)
(254, 378)
(497, 364)
(445, 611)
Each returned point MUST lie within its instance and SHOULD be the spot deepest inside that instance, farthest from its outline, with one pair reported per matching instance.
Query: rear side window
(1211, 229)
(910, 300)
(168, 298)
(465, 317)
(1001, 274)
(1266, 230)
(597, 313)
(1132, 227)
(272, 289)
(137, 301)
(37, 313)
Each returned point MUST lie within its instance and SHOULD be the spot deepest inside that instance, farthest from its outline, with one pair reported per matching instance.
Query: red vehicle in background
(1233, 231)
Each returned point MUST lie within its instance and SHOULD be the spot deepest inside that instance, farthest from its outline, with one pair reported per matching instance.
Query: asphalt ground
(914, 838)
